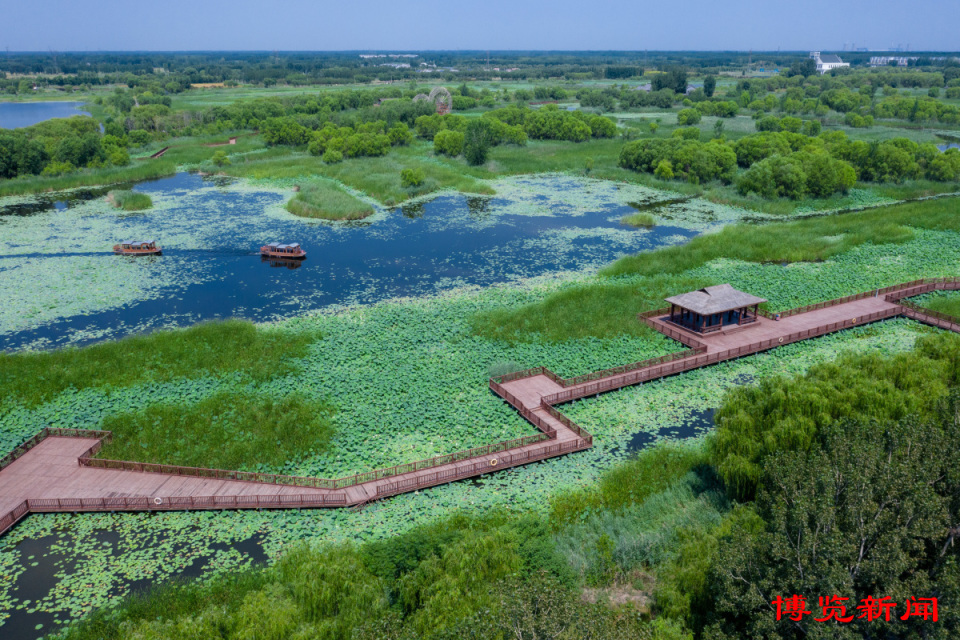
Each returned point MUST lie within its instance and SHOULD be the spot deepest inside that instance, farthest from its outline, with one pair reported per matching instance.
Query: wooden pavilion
(713, 308)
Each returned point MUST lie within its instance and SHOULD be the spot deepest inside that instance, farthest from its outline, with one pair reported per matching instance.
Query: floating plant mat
(93, 574)
(211, 230)
(56, 564)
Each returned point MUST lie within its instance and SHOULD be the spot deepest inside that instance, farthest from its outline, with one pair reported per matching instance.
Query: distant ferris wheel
(439, 97)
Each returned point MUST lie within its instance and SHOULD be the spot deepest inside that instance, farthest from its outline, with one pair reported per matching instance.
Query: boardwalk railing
(316, 483)
(696, 361)
(477, 468)
(511, 452)
(12, 517)
(928, 316)
(46, 432)
(897, 291)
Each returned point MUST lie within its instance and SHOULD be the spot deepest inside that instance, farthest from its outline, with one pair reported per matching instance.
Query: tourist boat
(138, 248)
(282, 262)
(275, 250)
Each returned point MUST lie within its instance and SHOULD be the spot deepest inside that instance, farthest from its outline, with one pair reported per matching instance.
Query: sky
(381, 25)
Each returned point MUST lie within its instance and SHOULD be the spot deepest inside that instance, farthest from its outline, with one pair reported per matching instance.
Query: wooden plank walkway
(55, 474)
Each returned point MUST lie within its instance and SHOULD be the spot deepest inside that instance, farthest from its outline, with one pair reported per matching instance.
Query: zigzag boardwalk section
(57, 471)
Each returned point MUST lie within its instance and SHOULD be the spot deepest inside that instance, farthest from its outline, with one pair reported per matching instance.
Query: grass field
(378, 178)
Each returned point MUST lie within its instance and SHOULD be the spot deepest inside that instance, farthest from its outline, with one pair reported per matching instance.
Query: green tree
(870, 512)
(709, 85)
(688, 117)
(664, 170)
(477, 141)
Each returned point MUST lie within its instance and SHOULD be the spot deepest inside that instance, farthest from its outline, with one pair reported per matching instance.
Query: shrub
(478, 139)
(220, 158)
(687, 133)
(332, 156)
(690, 159)
(412, 177)
(56, 168)
(688, 117)
(139, 137)
(664, 170)
(448, 142)
(119, 157)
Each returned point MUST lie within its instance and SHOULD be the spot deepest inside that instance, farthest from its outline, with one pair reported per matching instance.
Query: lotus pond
(407, 379)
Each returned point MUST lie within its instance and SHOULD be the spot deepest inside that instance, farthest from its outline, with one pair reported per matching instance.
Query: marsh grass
(603, 309)
(607, 308)
(323, 199)
(130, 200)
(640, 220)
(205, 349)
(137, 171)
(947, 302)
(632, 482)
(377, 177)
(230, 430)
(608, 545)
(801, 241)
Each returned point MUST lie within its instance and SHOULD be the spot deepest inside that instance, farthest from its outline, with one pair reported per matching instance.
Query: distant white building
(884, 61)
(828, 62)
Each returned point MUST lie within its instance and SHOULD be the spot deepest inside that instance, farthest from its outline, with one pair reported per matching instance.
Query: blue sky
(323, 25)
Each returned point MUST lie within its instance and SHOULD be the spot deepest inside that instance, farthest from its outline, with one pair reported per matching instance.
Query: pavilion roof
(716, 299)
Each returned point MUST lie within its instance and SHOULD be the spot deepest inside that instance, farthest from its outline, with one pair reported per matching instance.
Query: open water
(16, 115)
(210, 268)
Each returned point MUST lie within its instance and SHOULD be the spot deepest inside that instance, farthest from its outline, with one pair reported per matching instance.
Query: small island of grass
(327, 201)
(129, 200)
(644, 220)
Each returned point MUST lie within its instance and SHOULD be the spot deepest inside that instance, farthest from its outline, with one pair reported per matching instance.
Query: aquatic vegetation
(639, 220)
(212, 348)
(947, 302)
(323, 199)
(835, 256)
(419, 403)
(241, 430)
(129, 200)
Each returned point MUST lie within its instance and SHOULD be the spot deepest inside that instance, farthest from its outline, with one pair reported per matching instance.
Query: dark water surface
(44, 561)
(15, 115)
(214, 236)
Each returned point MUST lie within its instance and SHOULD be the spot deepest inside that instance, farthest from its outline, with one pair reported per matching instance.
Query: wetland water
(46, 562)
(62, 285)
(210, 232)
(15, 115)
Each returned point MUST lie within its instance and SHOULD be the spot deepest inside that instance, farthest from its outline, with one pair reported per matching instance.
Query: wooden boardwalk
(55, 471)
